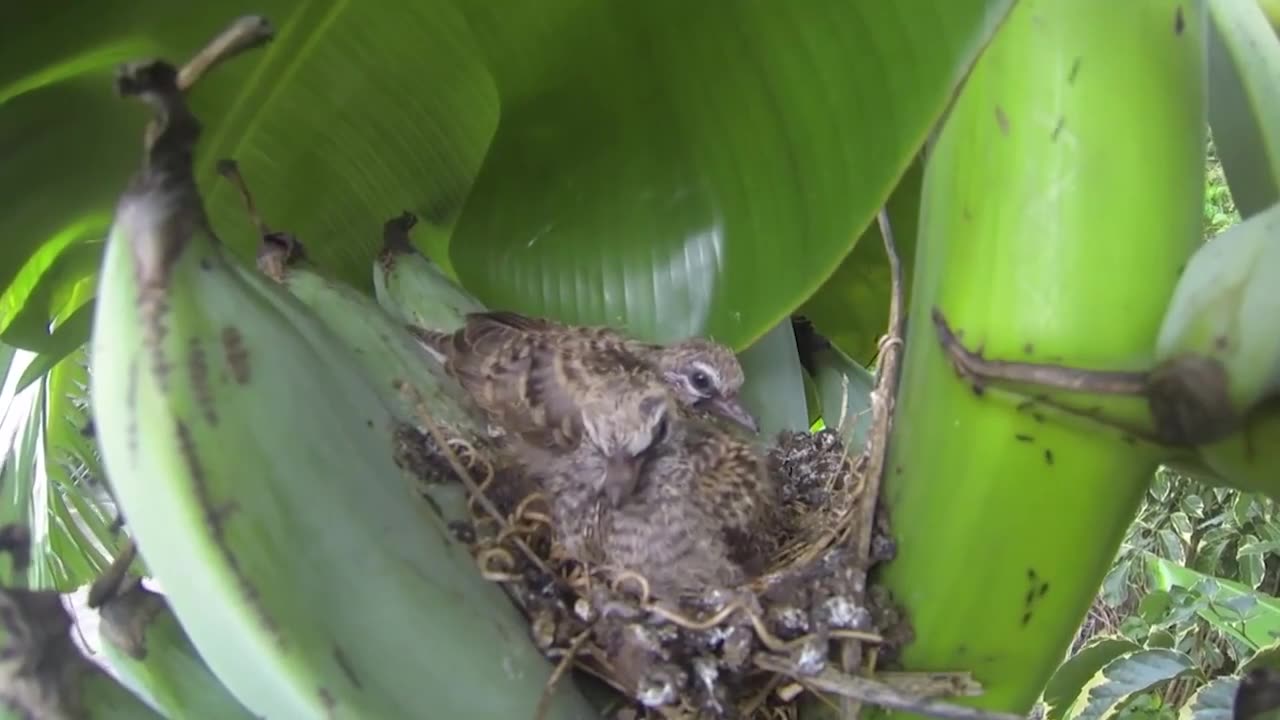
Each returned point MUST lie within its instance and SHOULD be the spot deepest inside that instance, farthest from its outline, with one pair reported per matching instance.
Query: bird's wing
(513, 320)
(555, 389)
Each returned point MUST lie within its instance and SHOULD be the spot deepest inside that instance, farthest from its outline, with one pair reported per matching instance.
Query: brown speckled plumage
(699, 491)
(533, 376)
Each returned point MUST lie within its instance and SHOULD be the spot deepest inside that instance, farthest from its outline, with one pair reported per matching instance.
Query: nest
(701, 659)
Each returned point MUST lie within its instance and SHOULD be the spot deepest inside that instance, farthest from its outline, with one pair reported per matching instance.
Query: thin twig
(874, 692)
(108, 583)
(882, 407)
(544, 702)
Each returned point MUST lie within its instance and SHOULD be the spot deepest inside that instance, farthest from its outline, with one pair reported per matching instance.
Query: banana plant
(666, 169)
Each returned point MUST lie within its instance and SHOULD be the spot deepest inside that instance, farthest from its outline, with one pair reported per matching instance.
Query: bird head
(625, 437)
(707, 376)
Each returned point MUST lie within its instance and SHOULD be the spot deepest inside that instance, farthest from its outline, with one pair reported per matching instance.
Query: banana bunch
(1219, 349)
(251, 454)
(414, 289)
(143, 642)
(1032, 205)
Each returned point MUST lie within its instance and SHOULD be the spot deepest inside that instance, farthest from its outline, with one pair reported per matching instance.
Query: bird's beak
(734, 410)
(620, 477)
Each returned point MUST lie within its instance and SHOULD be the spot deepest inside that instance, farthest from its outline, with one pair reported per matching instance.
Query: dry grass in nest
(702, 658)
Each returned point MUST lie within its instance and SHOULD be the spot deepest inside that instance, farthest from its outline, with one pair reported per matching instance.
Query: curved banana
(1035, 222)
(250, 455)
(413, 288)
(143, 642)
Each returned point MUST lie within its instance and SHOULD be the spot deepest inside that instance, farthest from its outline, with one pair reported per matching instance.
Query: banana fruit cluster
(251, 446)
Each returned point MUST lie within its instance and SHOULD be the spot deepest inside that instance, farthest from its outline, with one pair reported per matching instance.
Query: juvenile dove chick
(731, 482)
(699, 492)
(621, 428)
(533, 373)
(664, 534)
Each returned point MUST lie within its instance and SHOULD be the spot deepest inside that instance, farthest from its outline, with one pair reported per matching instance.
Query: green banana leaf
(845, 388)
(1260, 624)
(852, 306)
(774, 389)
(662, 166)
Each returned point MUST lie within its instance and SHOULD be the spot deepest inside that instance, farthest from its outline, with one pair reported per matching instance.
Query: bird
(533, 374)
(620, 430)
(699, 496)
(732, 479)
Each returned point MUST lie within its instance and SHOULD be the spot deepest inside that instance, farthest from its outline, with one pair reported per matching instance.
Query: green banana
(283, 541)
(144, 643)
(414, 289)
(1041, 238)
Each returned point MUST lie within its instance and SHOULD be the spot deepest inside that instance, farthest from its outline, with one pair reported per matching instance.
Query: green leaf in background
(354, 113)
(1213, 701)
(1244, 101)
(1262, 625)
(679, 168)
(1266, 656)
(1070, 677)
(845, 389)
(1107, 692)
(774, 390)
(852, 307)
(42, 288)
(68, 336)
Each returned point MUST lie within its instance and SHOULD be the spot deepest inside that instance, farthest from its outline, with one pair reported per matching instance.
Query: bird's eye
(701, 381)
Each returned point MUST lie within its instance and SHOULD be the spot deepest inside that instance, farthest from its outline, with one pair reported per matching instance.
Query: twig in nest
(635, 577)
(484, 501)
(866, 690)
(544, 702)
(882, 405)
(771, 641)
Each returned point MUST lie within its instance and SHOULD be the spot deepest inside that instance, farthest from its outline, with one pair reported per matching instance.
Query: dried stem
(882, 406)
(874, 692)
(984, 374)
(244, 33)
(544, 702)
(1045, 375)
(109, 582)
